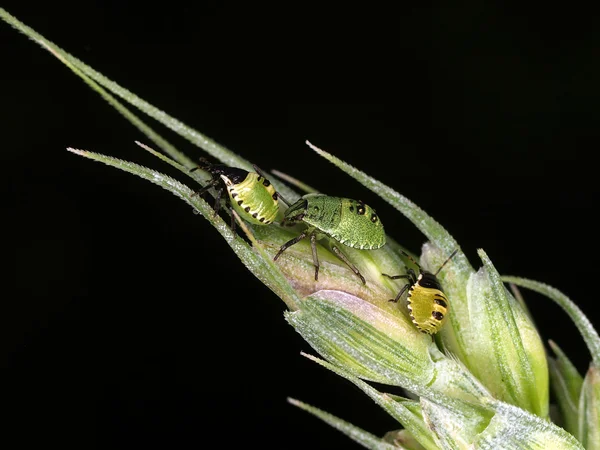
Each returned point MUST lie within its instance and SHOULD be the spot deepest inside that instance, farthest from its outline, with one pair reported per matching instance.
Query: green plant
(483, 383)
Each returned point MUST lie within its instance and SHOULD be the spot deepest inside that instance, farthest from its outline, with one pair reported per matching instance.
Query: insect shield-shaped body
(426, 301)
(250, 194)
(349, 222)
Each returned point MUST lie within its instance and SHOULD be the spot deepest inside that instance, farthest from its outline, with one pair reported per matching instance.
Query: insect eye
(374, 218)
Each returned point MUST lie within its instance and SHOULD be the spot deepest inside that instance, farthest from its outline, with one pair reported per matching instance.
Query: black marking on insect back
(428, 280)
(437, 315)
(255, 215)
(275, 196)
(247, 209)
(351, 208)
(374, 218)
(240, 202)
(361, 210)
(441, 302)
(266, 182)
(234, 194)
(262, 219)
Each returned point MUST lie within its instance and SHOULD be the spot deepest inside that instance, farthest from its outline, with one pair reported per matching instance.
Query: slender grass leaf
(355, 433)
(295, 182)
(97, 82)
(406, 412)
(253, 261)
(585, 327)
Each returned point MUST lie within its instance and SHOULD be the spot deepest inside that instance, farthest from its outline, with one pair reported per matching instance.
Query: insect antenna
(411, 258)
(445, 262)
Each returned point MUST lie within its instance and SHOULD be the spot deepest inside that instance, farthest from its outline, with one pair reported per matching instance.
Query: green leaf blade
(585, 327)
(262, 269)
(355, 433)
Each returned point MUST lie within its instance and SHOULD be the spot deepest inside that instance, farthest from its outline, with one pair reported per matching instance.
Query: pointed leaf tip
(355, 433)
(77, 151)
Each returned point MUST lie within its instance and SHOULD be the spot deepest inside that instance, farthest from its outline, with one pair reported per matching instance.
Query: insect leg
(395, 277)
(289, 243)
(410, 257)
(395, 300)
(218, 202)
(210, 184)
(232, 220)
(343, 257)
(291, 221)
(313, 246)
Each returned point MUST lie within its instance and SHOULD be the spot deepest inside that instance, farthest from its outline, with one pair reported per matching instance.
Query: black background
(484, 115)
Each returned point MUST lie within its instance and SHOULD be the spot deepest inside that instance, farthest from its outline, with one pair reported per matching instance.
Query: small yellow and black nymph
(250, 194)
(426, 301)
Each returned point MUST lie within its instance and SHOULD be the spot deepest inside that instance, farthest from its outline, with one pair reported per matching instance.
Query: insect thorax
(429, 280)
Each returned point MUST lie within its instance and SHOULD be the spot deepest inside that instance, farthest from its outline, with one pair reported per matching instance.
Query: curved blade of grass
(426, 224)
(166, 159)
(355, 433)
(254, 262)
(295, 182)
(96, 81)
(65, 58)
(585, 327)
(406, 412)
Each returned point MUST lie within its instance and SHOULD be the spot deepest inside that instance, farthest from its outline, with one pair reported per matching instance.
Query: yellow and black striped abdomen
(254, 198)
(427, 304)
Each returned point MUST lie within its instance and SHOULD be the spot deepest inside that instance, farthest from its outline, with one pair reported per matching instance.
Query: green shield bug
(349, 222)
(426, 301)
(250, 194)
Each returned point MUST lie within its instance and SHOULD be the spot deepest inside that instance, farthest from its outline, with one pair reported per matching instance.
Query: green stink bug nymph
(349, 222)
(426, 301)
(250, 194)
